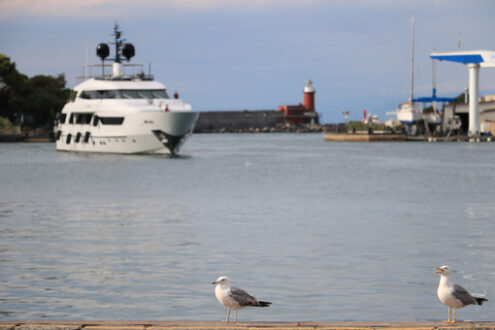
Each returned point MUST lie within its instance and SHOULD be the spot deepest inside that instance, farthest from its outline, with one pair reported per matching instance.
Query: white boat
(432, 118)
(409, 113)
(119, 113)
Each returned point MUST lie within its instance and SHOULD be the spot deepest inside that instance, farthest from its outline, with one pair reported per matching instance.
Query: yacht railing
(135, 72)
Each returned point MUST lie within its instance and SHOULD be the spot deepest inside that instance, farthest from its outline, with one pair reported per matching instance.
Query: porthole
(69, 136)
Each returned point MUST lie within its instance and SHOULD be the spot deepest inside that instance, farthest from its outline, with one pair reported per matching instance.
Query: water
(325, 231)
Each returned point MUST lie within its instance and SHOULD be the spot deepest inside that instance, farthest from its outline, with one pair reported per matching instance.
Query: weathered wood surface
(164, 325)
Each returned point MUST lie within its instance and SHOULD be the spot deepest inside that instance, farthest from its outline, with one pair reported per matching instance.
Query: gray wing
(242, 297)
(464, 296)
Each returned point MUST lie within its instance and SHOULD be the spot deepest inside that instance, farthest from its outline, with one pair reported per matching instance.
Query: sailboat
(409, 113)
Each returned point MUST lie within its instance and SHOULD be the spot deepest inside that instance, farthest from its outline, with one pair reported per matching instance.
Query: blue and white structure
(474, 60)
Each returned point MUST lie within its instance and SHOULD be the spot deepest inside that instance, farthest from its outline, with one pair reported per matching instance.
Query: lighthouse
(309, 96)
(302, 114)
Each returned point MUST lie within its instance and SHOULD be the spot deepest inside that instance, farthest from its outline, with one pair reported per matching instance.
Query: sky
(257, 54)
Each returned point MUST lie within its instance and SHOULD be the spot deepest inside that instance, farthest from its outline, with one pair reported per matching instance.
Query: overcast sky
(255, 54)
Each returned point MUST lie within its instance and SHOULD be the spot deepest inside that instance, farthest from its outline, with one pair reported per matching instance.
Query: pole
(474, 126)
(411, 72)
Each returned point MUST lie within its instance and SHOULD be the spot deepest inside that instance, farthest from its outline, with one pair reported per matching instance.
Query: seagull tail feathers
(480, 300)
(267, 303)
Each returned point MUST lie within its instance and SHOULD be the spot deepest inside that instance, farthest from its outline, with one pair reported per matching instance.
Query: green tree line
(32, 102)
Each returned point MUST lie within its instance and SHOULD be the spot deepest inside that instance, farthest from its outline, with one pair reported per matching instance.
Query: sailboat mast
(411, 73)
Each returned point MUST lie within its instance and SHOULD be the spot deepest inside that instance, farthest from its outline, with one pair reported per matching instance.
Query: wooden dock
(365, 137)
(201, 325)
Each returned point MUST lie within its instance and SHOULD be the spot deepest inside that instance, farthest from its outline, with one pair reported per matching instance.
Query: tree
(47, 96)
(37, 99)
(13, 89)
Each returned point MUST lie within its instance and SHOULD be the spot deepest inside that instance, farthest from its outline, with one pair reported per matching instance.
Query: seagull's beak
(214, 282)
(438, 270)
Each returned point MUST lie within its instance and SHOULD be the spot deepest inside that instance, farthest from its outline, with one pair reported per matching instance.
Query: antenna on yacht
(86, 58)
(118, 42)
(121, 49)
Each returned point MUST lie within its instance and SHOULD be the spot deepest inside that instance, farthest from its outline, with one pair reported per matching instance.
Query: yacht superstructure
(121, 113)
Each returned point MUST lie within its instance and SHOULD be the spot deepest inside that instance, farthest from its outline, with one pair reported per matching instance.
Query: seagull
(454, 295)
(236, 298)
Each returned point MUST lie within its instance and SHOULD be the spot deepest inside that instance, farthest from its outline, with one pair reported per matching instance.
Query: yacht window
(159, 94)
(62, 118)
(129, 94)
(110, 94)
(145, 94)
(141, 94)
(85, 95)
(95, 120)
(84, 118)
(94, 95)
(71, 118)
(125, 94)
(112, 120)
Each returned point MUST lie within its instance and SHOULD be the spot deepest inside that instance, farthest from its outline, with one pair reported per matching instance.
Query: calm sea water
(325, 231)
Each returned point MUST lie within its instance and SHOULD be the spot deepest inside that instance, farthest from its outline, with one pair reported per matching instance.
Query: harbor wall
(215, 121)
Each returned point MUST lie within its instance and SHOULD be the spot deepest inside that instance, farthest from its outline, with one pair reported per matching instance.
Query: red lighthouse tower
(302, 114)
(309, 96)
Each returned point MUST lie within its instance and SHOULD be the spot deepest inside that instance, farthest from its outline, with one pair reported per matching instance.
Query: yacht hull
(144, 132)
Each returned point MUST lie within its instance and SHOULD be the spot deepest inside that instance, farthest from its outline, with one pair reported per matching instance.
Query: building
(486, 114)
(302, 114)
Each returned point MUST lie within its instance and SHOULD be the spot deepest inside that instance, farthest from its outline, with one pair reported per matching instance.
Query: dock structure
(201, 325)
(474, 61)
(348, 137)
(344, 137)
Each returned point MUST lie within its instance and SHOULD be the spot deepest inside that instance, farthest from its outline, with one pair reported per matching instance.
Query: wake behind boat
(121, 113)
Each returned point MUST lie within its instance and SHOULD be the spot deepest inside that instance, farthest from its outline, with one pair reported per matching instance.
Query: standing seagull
(236, 298)
(453, 295)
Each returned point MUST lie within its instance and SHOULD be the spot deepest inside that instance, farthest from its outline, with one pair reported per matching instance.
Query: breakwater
(259, 121)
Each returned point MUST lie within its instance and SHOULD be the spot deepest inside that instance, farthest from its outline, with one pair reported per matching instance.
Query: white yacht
(119, 113)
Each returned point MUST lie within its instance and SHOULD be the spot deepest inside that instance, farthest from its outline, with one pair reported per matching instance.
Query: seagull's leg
(236, 315)
(228, 314)
(450, 314)
(455, 310)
